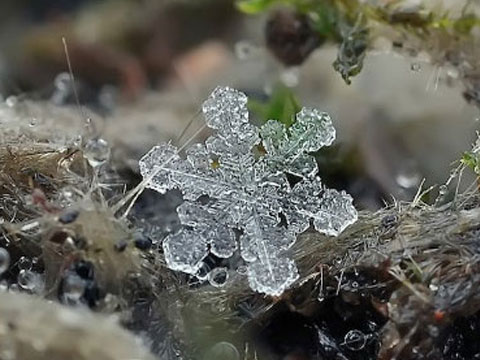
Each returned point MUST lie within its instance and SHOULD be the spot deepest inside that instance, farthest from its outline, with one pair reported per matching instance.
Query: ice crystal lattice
(237, 195)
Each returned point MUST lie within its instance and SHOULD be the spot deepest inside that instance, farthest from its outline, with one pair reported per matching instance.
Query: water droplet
(355, 340)
(32, 122)
(408, 180)
(29, 280)
(218, 277)
(63, 81)
(222, 351)
(11, 101)
(68, 193)
(96, 152)
(244, 50)
(4, 260)
(63, 88)
(78, 140)
(242, 270)
(442, 190)
(3, 286)
(108, 97)
(416, 67)
(452, 73)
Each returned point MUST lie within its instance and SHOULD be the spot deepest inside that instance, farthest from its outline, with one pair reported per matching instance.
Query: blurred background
(143, 68)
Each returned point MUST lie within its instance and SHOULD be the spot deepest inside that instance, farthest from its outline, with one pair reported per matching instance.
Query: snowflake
(237, 193)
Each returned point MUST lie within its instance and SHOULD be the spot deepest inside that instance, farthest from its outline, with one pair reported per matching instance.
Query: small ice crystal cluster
(237, 194)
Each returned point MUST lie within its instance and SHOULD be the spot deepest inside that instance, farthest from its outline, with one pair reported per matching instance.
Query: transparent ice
(237, 194)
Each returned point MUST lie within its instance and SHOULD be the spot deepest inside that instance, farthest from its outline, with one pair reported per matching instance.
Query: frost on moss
(237, 190)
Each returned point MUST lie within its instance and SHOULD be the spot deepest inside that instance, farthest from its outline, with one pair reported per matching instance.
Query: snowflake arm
(287, 149)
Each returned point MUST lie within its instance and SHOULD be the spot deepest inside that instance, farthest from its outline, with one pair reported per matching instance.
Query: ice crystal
(237, 193)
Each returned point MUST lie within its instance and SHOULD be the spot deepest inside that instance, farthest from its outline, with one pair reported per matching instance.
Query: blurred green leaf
(258, 6)
(282, 106)
(254, 6)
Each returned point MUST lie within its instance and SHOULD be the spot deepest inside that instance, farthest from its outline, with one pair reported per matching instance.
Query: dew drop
(3, 286)
(107, 97)
(218, 277)
(63, 87)
(408, 180)
(68, 193)
(4, 260)
(355, 340)
(29, 280)
(416, 67)
(442, 191)
(89, 126)
(78, 140)
(96, 152)
(453, 74)
(32, 122)
(11, 101)
(222, 351)
(62, 81)
(242, 270)
(244, 50)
